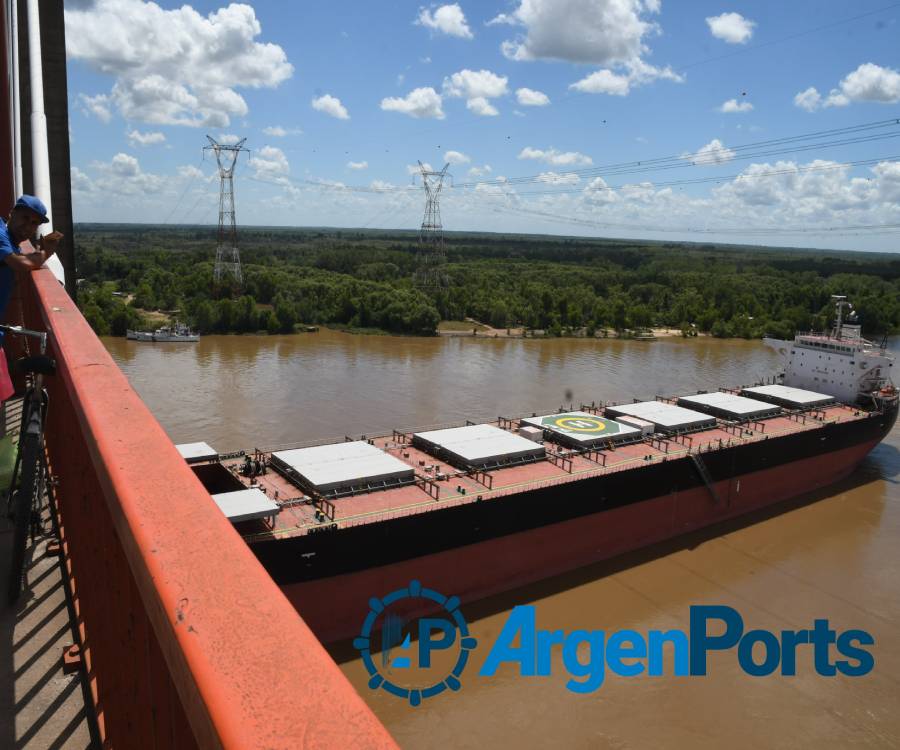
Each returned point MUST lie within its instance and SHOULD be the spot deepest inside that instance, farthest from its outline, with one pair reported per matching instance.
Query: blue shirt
(7, 276)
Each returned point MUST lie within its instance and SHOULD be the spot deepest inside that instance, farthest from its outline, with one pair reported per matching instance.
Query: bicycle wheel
(23, 502)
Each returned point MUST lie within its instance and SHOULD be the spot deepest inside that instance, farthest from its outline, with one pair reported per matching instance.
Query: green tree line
(363, 279)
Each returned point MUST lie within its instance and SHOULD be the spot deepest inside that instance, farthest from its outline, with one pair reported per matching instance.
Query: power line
(744, 151)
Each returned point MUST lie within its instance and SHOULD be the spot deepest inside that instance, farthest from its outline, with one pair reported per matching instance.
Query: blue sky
(339, 100)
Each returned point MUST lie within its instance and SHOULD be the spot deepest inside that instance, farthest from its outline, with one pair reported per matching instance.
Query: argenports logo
(443, 649)
(586, 656)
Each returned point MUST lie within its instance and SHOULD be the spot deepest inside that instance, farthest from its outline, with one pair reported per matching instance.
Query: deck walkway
(40, 707)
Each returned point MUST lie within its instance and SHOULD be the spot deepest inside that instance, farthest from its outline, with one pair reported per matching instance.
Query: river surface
(835, 555)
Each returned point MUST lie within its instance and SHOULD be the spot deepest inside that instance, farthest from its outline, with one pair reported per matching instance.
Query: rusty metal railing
(186, 640)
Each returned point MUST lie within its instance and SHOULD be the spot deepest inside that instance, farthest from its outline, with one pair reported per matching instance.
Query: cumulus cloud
(731, 27)
(477, 87)
(276, 131)
(808, 100)
(733, 105)
(556, 158)
(448, 19)
(423, 102)
(868, 83)
(456, 157)
(98, 106)
(481, 171)
(330, 105)
(714, 152)
(357, 165)
(481, 106)
(531, 98)
(604, 32)
(269, 162)
(468, 84)
(137, 138)
(228, 139)
(632, 74)
(174, 67)
(122, 175)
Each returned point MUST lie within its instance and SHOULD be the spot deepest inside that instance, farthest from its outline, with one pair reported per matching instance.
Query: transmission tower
(228, 261)
(430, 272)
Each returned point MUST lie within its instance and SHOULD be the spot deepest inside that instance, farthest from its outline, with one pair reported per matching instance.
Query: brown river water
(834, 555)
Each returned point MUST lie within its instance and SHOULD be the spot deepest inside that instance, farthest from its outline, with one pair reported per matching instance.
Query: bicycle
(26, 494)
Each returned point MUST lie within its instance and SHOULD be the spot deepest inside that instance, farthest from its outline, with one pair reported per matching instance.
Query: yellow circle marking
(580, 424)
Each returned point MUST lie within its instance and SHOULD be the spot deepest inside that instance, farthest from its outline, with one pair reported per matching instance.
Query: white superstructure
(841, 363)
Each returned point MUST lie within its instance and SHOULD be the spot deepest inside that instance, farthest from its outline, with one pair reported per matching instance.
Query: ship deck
(444, 486)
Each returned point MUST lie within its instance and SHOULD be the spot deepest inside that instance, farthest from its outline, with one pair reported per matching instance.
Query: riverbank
(472, 327)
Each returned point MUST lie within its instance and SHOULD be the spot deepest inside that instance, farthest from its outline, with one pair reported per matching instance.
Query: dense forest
(362, 279)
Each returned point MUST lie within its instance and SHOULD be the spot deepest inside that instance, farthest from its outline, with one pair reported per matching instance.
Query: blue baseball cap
(32, 203)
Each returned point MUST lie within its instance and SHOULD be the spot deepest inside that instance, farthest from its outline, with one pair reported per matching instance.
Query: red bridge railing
(186, 640)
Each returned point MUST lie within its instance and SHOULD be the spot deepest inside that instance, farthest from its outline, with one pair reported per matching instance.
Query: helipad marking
(580, 424)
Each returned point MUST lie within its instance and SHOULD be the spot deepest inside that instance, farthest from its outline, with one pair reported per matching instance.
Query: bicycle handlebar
(22, 331)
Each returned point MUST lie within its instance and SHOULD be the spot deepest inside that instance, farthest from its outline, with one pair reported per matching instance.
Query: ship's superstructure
(841, 362)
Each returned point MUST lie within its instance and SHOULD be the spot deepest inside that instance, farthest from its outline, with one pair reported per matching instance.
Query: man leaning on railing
(23, 222)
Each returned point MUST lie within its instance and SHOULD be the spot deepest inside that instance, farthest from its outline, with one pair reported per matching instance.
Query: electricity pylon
(430, 272)
(228, 260)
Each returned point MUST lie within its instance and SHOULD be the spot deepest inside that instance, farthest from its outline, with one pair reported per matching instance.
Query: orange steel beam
(187, 640)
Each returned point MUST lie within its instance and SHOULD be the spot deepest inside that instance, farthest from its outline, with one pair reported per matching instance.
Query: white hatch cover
(730, 406)
(666, 417)
(195, 452)
(786, 396)
(477, 445)
(244, 505)
(344, 465)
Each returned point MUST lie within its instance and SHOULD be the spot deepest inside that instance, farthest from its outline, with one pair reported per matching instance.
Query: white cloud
(481, 171)
(476, 87)
(269, 162)
(419, 103)
(605, 32)
(276, 131)
(189, 171)
(381, 185)
(635, 73)
(98, 106)
(122, 175)
(554, 178)
(174, 67)
(556, 158)
(733, 105)
(448, 19)
(481, 106)
(597, 192)
(137, 138)
(469, 84)
(714, 152)
(531, 98)
(413, 169)
(80, 181)
(228, 139)
(731, 27)
(808, 100)
(357, 165)
(456, 157)
(330, 105)
(868, 83)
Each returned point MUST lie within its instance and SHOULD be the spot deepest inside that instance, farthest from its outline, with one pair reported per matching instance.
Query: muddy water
(835, 555)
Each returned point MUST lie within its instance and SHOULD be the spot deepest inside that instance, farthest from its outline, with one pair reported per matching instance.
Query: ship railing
(185, 639)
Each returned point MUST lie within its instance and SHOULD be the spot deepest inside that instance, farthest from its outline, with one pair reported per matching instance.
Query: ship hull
(533, 535)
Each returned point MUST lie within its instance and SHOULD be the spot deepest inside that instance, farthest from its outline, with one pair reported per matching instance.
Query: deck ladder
(704, 475)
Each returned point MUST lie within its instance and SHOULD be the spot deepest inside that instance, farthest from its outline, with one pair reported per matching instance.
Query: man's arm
(32, 261)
